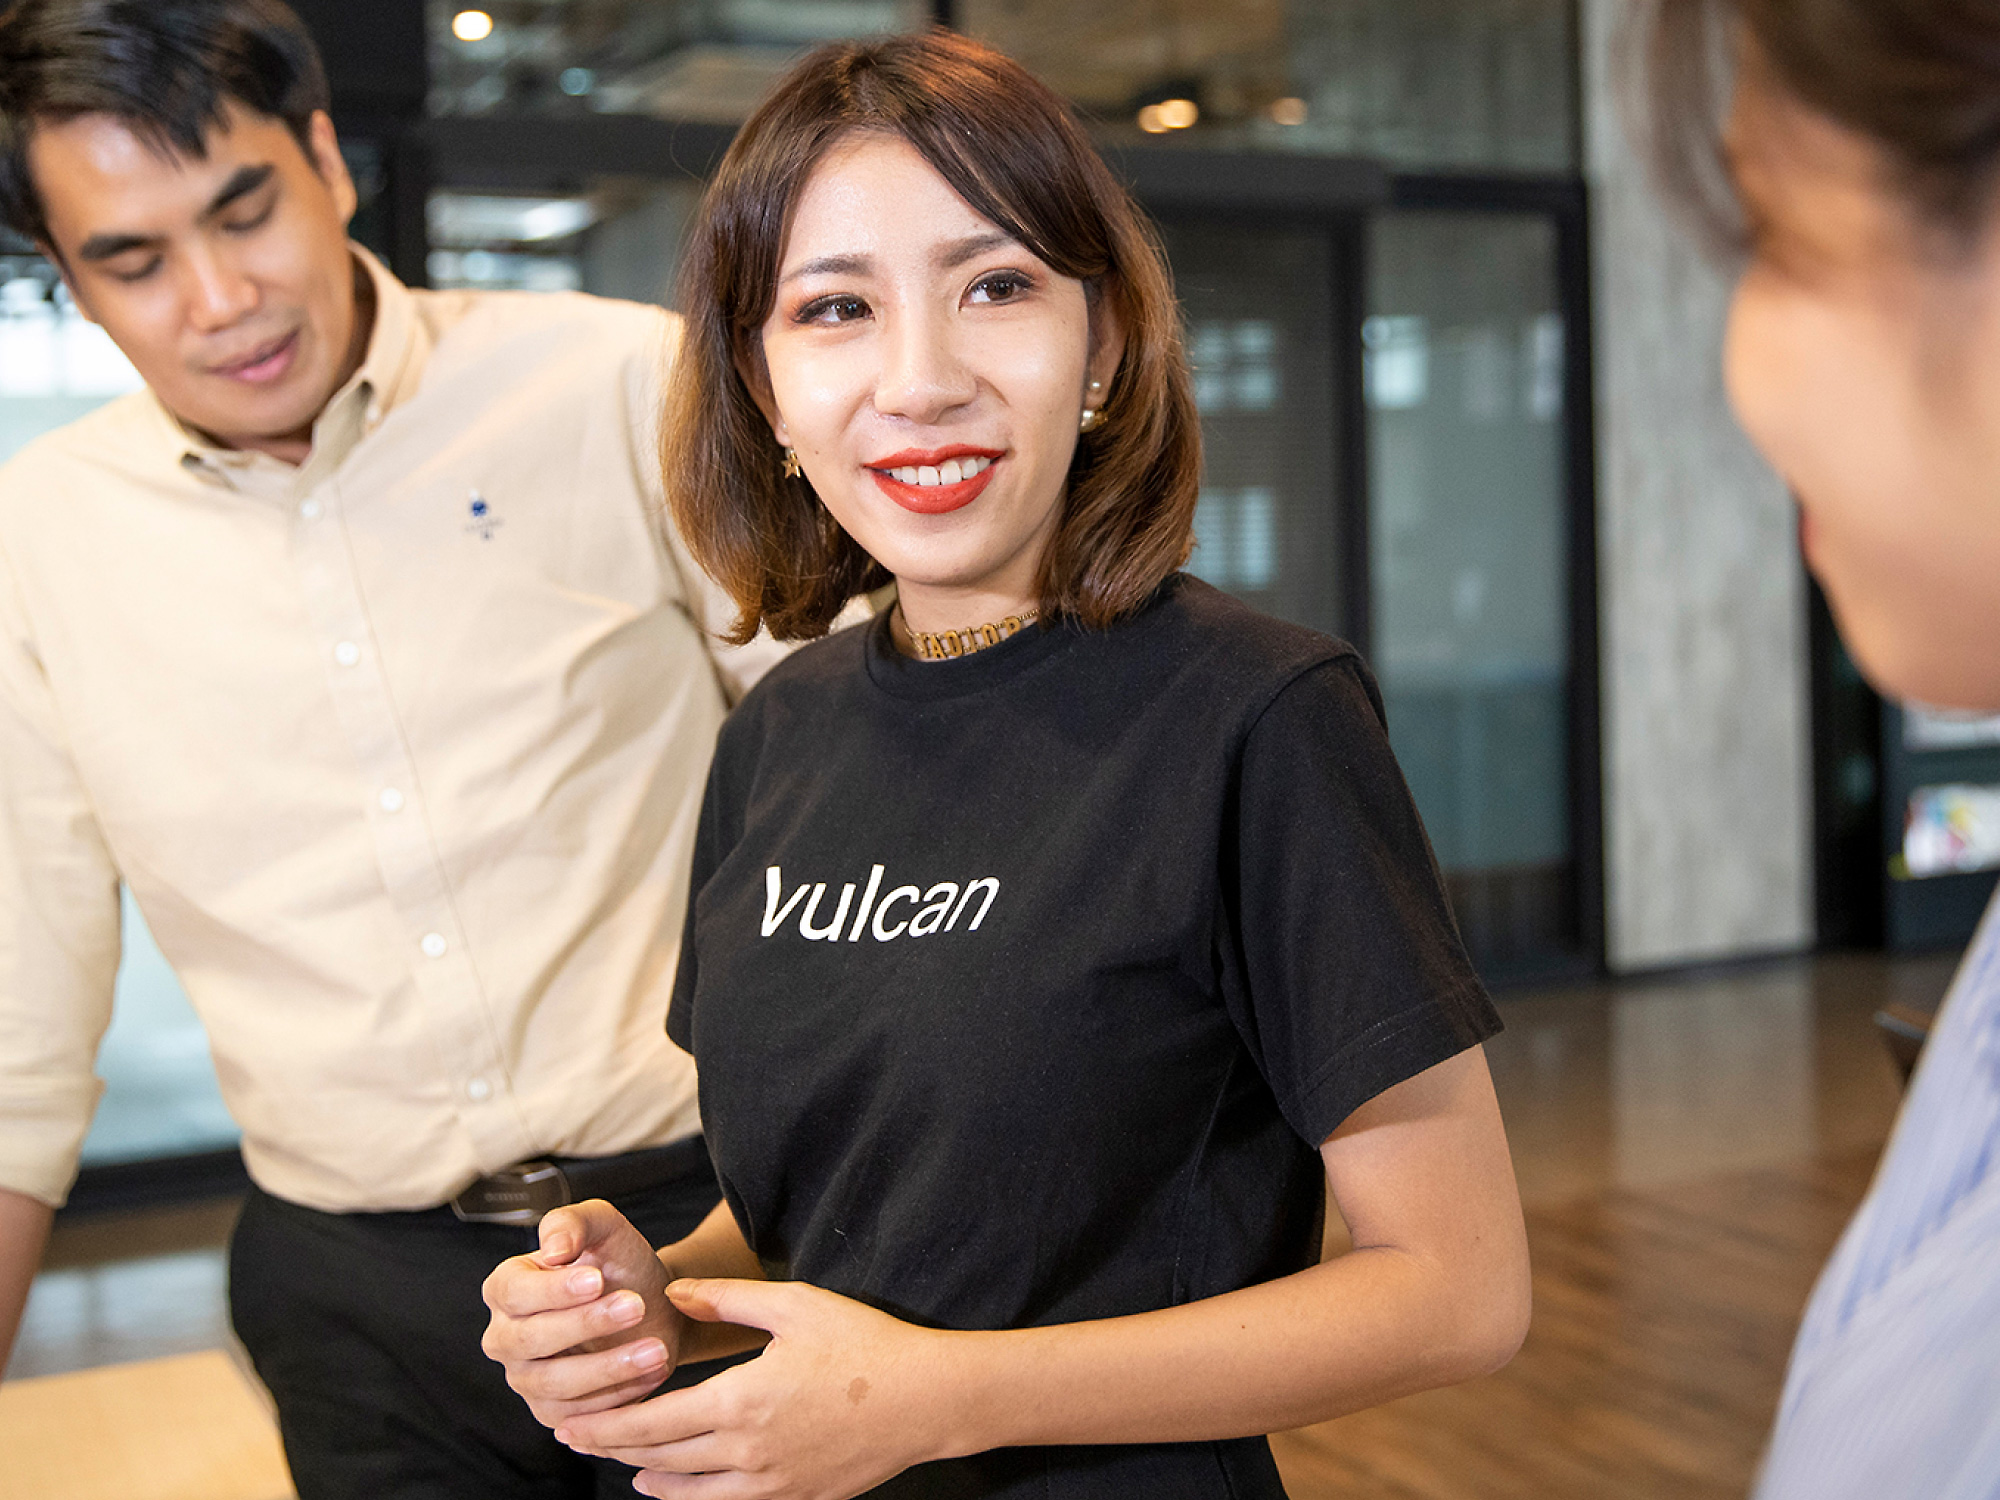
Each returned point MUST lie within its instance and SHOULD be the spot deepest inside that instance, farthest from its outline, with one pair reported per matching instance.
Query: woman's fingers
(585, 1229)
(724, 1485)
(748, 1304)
(675, 1417)
(564, 1232)
(705, 1454)
(521, 1287)
(533, 1335)
(577, 1377)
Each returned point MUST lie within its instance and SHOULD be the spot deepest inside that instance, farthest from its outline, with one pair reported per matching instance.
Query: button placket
(412, 871)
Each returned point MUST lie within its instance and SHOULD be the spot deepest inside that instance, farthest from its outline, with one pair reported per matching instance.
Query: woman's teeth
(951, 471)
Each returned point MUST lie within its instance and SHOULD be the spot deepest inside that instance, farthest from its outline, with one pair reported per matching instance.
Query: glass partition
(1258, 310)
(1465, 349)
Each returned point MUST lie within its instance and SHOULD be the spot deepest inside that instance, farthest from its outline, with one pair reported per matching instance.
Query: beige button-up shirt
(399, 751)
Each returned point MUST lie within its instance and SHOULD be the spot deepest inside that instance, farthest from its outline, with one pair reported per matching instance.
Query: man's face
(225, 279)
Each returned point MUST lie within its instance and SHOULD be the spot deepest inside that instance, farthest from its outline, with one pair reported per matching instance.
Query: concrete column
(1708, 802)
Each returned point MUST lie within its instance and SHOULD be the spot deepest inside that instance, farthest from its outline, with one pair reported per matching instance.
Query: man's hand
(584, 1323)
(843, 1398)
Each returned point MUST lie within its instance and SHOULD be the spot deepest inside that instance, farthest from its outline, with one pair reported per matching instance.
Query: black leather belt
(525, 1191)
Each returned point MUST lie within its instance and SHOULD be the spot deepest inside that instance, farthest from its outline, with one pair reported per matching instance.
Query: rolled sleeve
(58, 930)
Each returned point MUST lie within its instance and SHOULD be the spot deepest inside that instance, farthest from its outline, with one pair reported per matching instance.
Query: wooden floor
(1688, 1150)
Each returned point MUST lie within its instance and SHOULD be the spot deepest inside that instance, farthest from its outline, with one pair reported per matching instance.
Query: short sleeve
(1342, 966)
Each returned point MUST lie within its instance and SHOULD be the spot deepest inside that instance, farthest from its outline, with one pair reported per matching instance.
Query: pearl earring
(1093, 416)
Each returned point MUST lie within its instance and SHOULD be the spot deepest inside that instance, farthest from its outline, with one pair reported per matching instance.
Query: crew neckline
(908, 677)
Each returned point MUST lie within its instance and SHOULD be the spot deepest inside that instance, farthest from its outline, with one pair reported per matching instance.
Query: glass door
(1466, 352)
(1391, 456)
(1258, 305)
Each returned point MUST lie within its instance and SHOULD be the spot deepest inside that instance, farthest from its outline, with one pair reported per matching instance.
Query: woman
(1059, 940)
(1855, 163)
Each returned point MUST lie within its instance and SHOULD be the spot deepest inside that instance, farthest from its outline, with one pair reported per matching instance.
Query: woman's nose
(924, 374)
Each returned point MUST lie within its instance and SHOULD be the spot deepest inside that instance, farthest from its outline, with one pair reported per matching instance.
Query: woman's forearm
(1354, 1332)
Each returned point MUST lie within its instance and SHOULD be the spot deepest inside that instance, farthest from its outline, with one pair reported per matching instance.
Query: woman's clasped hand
(833, 1406)
(589, 1326)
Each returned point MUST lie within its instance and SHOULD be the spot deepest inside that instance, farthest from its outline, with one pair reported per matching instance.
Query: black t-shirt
(1024, 987)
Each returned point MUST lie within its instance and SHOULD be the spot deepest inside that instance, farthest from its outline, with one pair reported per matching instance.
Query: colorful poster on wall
(1949, 830)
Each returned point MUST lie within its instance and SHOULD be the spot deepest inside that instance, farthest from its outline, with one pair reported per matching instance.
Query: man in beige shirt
(353, 646)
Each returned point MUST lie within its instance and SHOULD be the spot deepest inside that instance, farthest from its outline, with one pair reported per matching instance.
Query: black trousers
(366, 1329)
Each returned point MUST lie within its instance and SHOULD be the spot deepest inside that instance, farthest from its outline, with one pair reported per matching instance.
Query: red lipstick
(934, 499)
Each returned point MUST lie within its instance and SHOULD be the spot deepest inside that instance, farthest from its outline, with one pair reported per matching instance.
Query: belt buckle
(519, 1195)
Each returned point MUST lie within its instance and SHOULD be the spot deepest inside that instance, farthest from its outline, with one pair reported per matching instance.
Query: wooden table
(187, 1428)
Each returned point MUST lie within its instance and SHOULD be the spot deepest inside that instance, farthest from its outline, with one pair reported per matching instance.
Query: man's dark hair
(167, 68)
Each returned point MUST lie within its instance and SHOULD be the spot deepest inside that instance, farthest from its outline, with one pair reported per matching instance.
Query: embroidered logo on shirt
(484, 522)
(938, 908)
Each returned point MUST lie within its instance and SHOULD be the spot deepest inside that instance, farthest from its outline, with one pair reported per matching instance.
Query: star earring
(1093, 416)
(792, 469)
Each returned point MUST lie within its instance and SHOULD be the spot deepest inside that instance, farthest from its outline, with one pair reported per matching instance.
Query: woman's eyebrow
(958, 252)
(946, 257)
(830, 265)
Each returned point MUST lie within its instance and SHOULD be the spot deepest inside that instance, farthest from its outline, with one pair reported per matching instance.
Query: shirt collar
(389, 375)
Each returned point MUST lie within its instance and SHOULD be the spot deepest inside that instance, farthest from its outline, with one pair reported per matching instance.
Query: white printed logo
(940, 907)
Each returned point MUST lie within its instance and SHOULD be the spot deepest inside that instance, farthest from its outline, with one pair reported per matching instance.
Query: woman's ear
(1107, 339)
(756, 378)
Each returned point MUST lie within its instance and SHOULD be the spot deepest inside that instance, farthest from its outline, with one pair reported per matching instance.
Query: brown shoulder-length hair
(1012, 150)
(1917, 79)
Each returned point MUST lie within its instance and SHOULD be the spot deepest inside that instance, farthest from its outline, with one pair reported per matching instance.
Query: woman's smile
(932, 483)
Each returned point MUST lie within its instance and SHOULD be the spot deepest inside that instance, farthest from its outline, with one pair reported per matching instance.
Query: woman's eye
(840, 309)
(1003, 287)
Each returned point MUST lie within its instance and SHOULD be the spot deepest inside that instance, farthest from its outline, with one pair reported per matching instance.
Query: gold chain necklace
(944, 645)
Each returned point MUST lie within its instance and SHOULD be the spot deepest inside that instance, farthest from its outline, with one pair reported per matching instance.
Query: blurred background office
(1457, 372)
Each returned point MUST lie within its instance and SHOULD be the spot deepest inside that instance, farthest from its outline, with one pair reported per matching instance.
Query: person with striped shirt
(1854, 160)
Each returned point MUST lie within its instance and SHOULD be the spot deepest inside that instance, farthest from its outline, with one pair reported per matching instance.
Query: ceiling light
(1288, 111)
(472, 26)
(1150, 121)
(1178, 114)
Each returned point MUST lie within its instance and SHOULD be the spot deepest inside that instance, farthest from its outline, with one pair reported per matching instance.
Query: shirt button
(478, 1089)
(391, 799)
(311, 509)
(347, 654)
(433, 945)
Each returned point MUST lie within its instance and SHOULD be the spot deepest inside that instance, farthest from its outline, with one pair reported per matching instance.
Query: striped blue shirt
(1894, 1386)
